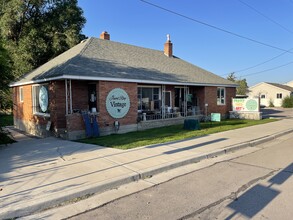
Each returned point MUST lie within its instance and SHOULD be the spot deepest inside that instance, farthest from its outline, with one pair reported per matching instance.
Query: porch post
(163, 101)
(66, 101)
(68, 96)
(185, 100)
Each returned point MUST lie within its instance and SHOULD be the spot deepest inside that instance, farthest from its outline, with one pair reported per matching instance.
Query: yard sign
(245, 105)
(215, 117)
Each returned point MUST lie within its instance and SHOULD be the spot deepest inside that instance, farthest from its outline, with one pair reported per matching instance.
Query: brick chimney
(168, 47)
(104, 35)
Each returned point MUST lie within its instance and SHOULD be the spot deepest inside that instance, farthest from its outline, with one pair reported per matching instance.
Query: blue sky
(267, 21)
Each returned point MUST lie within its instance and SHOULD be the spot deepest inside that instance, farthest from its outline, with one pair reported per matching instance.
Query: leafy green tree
(5, 95)
(6, 78)
(35, 31)
(242, 89)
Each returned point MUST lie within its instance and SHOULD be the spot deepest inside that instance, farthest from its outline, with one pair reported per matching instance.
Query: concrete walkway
(36, 174)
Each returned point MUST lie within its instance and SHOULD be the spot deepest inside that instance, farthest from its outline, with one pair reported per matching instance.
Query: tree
(6, 78)
(242, 89)
(35, 31)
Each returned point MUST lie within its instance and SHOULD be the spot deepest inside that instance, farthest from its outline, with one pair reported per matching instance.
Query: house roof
(289, 88)
(98, 59)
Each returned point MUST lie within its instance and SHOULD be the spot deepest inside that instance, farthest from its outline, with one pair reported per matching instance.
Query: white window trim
(279, 94)
(20, 94)
(150, 86)
(220, 96)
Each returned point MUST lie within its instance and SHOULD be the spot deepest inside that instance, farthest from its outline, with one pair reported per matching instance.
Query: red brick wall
(57, 104)
(79, 94)
(211, 99)
(104, 117)
(24, 110)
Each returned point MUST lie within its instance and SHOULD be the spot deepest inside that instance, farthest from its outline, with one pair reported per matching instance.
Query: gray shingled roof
(289, 88)
(97, 59)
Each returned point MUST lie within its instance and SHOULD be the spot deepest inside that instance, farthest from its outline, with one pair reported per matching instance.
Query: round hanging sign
(43, 99)
(117, 103)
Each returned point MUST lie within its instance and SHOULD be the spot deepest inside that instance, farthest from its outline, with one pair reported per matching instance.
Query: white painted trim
(120, 80)
(20, 92)
(221, 104)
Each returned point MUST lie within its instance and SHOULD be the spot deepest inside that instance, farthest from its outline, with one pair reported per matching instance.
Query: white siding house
(270, 92)
(289, 83)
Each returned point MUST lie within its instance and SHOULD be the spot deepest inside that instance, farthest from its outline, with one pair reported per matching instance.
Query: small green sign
(215, 117)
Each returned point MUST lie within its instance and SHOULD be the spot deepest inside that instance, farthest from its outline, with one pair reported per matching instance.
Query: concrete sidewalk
(36, 174)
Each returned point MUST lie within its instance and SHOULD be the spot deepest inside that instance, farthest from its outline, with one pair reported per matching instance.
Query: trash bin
(191, 124)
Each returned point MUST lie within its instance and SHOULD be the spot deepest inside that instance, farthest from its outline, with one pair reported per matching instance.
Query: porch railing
(167, 115)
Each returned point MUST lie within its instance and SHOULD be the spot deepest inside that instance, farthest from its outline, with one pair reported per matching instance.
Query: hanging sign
(248, 104)
(43, 99)
(117, 103)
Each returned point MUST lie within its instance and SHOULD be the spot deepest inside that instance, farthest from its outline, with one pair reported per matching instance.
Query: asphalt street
(255, 185)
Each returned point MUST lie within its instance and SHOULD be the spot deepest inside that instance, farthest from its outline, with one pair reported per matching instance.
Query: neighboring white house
(289, 83)
(270, 92)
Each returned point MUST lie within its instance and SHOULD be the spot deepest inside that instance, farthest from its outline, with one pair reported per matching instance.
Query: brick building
(133, 87)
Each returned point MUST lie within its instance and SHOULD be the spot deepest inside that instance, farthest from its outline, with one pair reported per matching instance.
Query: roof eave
(119, 80)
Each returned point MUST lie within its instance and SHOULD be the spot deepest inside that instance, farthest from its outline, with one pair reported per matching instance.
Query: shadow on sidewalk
(259, 196)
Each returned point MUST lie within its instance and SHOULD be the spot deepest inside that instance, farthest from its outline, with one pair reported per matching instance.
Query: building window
(263, 96)
(40, 97)
(148, 98)
(21, 94)
(279, 95)
(221, 96)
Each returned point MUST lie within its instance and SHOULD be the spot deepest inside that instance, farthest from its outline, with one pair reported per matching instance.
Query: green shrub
(271, 104)
(5, 137)
(287, 102)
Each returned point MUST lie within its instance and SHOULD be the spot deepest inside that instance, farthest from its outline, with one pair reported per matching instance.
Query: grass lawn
(167, 134)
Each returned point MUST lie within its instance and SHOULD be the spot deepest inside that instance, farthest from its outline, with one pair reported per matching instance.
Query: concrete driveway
(277, 112)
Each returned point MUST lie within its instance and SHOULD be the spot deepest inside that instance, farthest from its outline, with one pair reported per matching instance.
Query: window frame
(139, 95)
(20, 92)
(35, 100)
(279, 95)
(219, 99)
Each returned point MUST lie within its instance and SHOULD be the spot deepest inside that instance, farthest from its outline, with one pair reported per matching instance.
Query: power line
(214, 27)
(259, 64)
(265, 16)
(274, 68)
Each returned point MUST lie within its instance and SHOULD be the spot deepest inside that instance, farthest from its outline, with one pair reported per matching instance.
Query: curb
(135, 176)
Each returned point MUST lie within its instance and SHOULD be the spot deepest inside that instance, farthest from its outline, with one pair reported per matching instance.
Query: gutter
(73, 77)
